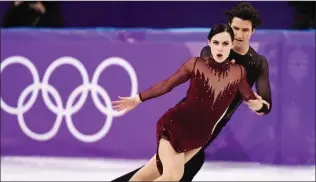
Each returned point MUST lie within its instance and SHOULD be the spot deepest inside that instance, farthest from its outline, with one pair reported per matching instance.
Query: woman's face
(220, 45)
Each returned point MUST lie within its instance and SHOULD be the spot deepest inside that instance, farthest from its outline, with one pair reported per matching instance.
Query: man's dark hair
(244, 11)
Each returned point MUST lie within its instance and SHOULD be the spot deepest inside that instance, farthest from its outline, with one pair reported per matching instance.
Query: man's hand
(38, 6)
(233, 61)
(17, 3)
(257, 104)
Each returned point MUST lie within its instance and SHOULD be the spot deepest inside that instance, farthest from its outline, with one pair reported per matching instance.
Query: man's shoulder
(206, 48)
(257, 55)
(198, 58)
(206, 51)
(195, 58)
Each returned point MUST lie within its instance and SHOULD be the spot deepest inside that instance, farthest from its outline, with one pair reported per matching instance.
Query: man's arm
(243, 86)
(263, 86)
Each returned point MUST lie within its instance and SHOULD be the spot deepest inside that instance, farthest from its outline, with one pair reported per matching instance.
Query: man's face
(243, 32)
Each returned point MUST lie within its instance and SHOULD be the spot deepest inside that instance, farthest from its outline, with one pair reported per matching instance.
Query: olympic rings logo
(69, 109)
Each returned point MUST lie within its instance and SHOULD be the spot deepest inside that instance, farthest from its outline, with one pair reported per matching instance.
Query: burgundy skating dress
(213, 85)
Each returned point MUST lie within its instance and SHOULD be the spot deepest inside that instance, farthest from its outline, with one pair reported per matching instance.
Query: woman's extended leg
(147, 173)
(173, 162)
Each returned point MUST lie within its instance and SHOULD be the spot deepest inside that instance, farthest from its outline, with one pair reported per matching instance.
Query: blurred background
(149, 41)
(275, 15)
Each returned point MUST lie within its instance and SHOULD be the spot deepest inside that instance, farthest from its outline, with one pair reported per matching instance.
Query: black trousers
(192, 167)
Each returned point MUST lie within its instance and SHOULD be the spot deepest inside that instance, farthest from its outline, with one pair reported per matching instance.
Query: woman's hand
(126, 103)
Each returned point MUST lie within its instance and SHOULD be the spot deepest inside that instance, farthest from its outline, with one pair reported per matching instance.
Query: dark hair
(244, 11)
(219, 28)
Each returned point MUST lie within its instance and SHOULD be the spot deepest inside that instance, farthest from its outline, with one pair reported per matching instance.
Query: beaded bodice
(210, 81)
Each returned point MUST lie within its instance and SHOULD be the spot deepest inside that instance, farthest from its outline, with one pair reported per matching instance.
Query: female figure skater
(184, 129)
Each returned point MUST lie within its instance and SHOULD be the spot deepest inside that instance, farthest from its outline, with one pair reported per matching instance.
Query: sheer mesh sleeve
(182, 75)
(205, 52)
(263, 86)
(244, 88)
